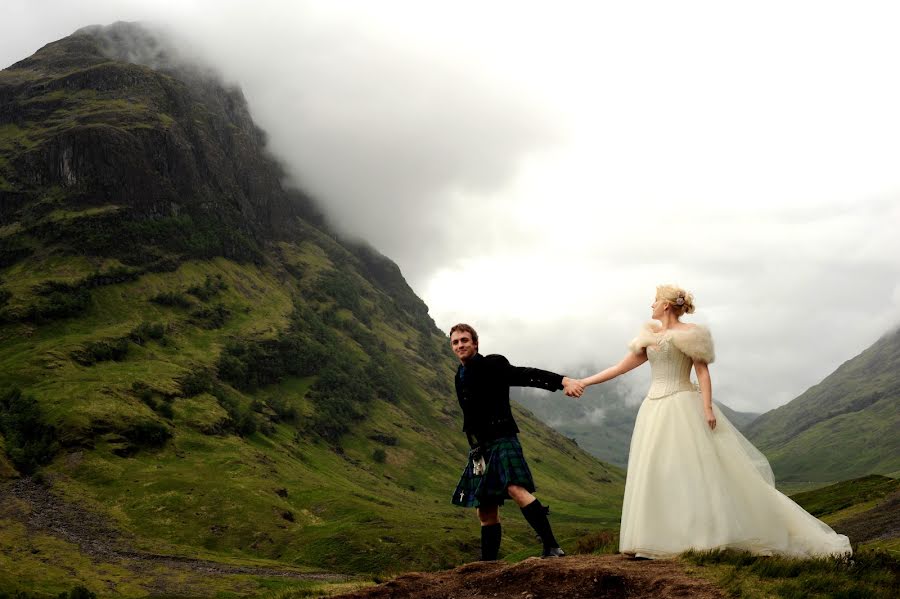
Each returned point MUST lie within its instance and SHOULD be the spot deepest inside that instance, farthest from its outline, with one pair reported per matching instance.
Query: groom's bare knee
(488, 515)
(520, 495)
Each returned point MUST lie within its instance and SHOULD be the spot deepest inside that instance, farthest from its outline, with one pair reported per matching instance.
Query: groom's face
(462, 345)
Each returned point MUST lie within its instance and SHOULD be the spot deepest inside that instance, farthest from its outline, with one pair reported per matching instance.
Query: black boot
(490, 542)
(536, 515)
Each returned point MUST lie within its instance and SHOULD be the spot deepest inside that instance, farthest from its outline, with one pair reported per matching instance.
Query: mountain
(196, 369)
(846, 426)
(602, 420)
(740, 420)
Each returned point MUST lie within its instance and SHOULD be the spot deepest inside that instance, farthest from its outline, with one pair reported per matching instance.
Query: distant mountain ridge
(189, 351)
(846, 426)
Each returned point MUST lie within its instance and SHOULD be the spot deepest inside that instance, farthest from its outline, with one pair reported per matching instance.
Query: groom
(496, 469)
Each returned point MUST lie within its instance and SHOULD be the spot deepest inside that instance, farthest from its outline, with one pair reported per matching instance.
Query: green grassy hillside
(844, 427)
(195, 364)
(262, 473)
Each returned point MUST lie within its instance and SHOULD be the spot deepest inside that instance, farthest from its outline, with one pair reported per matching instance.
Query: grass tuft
(601, 541)
(871, 574)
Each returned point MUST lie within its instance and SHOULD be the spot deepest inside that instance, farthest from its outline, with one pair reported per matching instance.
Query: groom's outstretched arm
(523, 376)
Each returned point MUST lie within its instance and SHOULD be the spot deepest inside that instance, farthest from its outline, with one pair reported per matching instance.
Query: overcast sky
(536, 171)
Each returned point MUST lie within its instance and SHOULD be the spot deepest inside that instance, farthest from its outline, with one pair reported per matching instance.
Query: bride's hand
(711, 419)
(573, 387)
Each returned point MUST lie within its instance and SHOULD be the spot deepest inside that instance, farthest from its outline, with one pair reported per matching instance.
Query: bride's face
(659, 308)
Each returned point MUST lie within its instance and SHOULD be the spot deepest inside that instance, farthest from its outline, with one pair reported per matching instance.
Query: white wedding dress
(690, 487)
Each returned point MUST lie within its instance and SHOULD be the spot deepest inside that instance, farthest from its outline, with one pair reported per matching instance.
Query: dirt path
(44, 512)
(582, 576)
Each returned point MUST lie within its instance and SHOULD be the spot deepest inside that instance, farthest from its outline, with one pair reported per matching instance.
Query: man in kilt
(497, 469)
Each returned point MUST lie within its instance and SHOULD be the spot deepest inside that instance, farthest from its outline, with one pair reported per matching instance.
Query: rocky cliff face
(111, 118)
(105, 131)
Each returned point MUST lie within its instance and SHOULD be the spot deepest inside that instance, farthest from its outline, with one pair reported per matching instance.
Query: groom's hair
(465, 328)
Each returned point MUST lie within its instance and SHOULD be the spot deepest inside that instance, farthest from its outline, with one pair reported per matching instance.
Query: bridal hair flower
(680, 300)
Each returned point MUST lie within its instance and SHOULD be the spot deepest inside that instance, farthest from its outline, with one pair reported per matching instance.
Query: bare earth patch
(880, 522)
(583, 576)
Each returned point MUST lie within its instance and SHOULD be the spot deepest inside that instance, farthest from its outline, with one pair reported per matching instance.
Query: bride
(694, 481)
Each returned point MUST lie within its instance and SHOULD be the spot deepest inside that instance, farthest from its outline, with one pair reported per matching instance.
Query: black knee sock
(536, 514)
(490, 541)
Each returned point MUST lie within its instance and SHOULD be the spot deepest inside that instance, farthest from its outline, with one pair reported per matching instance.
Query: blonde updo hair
(681, 301)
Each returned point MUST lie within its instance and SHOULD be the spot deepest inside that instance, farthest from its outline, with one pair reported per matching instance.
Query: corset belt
(666, 391)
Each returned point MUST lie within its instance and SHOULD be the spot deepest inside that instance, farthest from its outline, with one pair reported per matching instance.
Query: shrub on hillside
(390, 440)
(379, 455)
(211, 287)
(340, 287)
(241, 419)
(147, 331)
(384, 380)
(143, 391)
(233, 369)
(171, 299)
(212, 317)
(5, 314)
(148, 433)
(199, 236)
(366, 339)
(284, 411)
(78, 592)
(46, 288)
(58, 301)
(162, 264)
(113, 276)
(163, 407)
(30, 442)
(340, 396)
(196, 382)
(102, 351)
(11, 252)
(248, 364)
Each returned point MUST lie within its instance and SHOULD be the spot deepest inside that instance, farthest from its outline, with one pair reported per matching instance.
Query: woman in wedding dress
(694, 481)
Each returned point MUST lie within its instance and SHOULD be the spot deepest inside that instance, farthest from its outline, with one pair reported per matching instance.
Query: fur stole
(695, 342)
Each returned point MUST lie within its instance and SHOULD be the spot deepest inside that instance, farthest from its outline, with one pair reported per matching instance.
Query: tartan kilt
(504, 465)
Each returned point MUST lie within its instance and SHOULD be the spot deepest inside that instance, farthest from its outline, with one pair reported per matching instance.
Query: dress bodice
(670, 368)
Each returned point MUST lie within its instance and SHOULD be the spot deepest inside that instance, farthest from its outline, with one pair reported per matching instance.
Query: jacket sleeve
(522, 376)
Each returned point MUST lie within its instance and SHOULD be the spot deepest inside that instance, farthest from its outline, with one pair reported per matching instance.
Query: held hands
(572, 387)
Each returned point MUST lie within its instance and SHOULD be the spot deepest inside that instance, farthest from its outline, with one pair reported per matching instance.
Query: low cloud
(538, 176)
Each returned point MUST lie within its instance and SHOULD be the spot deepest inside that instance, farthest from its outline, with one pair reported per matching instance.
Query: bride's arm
(629, 362)
(702, 370)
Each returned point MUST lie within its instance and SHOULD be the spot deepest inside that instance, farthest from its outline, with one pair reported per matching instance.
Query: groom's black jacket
(482, 388)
